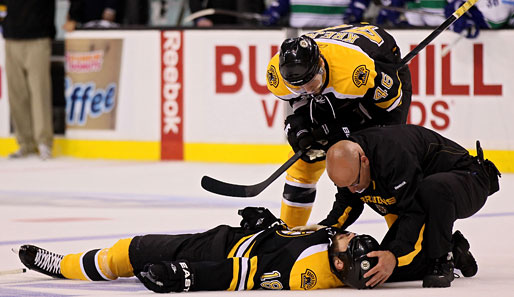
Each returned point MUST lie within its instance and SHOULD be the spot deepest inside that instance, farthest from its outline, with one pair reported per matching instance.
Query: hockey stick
(222, 188)
(237, 14)
(448, 48)
(226, 189)
(13, 271)
(457, 14)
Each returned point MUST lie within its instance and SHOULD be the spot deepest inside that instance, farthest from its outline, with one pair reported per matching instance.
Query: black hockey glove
(299, 132)
(257, 218)
(166, 277)
(299, 135)
(330, 133)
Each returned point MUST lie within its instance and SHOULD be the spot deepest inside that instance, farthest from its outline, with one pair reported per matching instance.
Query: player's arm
(181, 276)
(387, 93)
(346, 209)
(403, 179)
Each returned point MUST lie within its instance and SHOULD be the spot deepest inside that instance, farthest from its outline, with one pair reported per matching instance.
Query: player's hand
(314, 227)
(166, 277)
(299, 132)
(383, 270)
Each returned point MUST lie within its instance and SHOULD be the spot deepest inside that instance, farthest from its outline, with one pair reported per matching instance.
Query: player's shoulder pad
(275, 82)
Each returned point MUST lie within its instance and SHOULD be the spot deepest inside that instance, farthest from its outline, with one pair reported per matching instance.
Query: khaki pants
(27, 66)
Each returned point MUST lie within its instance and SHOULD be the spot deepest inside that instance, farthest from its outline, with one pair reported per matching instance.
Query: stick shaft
(13, 271)
(457, 14)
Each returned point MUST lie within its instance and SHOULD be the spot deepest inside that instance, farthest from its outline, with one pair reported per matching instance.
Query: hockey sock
(295, 215)
(99, 264)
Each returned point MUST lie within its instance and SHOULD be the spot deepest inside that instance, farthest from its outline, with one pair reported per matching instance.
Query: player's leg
(211, 245)
(446, 197)
(300, 192)
(128, 256)
(95, 265)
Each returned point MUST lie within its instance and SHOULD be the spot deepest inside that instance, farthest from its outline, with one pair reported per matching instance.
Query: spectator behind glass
(94, 13)
(28, 30)
(483, 15)
(320, 13)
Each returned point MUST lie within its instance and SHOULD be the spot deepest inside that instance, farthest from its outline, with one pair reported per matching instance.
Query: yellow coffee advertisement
(92, 83)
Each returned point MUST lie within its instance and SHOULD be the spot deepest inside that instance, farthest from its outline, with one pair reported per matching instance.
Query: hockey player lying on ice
(262, 253)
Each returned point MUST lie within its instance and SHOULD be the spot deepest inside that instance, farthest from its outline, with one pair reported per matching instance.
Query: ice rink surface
(69, 206)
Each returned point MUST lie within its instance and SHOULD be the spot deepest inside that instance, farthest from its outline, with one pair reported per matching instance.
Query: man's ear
(338, 264)
(365, 160)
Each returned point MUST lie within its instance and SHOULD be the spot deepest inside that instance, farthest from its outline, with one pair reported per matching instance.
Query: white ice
(69, 206)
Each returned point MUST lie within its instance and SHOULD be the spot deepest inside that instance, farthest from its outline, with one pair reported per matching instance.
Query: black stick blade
(222, 188)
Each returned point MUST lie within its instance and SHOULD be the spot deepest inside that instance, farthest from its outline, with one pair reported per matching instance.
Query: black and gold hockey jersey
(363, 84)
(274, 259)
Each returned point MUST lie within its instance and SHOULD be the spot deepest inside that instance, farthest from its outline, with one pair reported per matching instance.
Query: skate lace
(48, 261)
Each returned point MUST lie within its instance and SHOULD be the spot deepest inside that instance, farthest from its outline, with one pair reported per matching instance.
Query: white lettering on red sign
(172, 86)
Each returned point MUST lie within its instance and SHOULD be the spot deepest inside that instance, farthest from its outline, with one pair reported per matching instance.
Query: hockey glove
(257, 218)
(355, 11)
(471, 22)
(166, 277)
(299, 132)
(330, 133)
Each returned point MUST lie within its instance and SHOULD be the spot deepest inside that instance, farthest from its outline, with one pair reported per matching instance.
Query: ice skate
(41, 260)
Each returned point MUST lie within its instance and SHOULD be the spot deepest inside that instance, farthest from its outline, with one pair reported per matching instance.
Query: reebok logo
(403, 183)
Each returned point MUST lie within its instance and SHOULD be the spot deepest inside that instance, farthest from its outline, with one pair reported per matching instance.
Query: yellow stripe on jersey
(235, 277)
(251, 275)
(243, 246)
(390, 219)
(237, 245)
(407, 259)
(343, 217)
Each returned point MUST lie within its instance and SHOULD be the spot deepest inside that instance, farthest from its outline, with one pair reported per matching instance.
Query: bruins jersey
(272, 259)
(361, 78)
(395, 175)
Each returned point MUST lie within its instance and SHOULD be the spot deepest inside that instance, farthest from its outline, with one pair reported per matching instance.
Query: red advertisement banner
(172, 95)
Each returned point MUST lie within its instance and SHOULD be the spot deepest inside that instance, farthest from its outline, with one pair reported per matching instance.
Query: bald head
(343, 163)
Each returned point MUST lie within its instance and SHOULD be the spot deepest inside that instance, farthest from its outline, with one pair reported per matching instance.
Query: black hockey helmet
(356, 263)
(299, 60)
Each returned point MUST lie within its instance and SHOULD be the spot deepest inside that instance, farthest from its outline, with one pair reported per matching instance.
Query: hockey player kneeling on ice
(262, 253)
